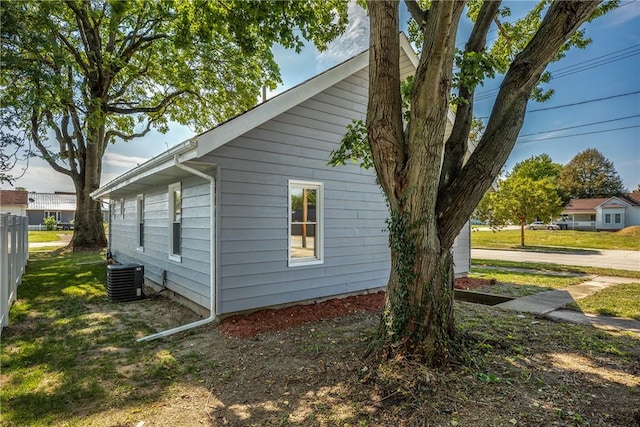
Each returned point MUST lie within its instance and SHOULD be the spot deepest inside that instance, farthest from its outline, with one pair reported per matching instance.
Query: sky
(596, 103)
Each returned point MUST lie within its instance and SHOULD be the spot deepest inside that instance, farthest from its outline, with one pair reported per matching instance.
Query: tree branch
(562, 19)
(456, 146)
(46, 155)
(384, 111)
(128, 137)
(418, 15)
(112, 108)
(79, 60)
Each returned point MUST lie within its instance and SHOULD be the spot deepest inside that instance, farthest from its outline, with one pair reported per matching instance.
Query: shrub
(50, 222)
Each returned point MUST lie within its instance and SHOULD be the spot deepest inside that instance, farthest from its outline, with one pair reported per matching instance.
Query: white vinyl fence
(14, 251)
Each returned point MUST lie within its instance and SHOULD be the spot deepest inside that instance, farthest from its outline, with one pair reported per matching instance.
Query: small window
(175, 222)
(618, 218)
(56, 214)
(140, 214)
(607, 218)
(122, 207)
(305, 223)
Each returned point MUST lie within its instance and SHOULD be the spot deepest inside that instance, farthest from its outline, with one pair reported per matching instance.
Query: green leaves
(97, 72)
(354, 146)
(474, 68)
(589, 174)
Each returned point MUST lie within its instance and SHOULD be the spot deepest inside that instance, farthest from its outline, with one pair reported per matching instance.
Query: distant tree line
(538, 188)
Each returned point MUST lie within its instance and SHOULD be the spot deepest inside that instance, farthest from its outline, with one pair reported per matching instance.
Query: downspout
(212, 269)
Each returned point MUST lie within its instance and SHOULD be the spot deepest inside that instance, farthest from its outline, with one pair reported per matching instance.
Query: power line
(568, 70)
(578, 134)
(577, 103)
(580, 126)
(583, 102)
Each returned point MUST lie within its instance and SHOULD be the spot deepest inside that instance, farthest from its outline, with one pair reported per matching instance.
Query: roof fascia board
(232, 129)
(185, 150)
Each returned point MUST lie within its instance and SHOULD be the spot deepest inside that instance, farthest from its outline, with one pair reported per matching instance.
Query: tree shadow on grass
(72, 359)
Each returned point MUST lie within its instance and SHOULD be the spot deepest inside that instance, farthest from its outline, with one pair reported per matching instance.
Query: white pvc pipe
(212, 270)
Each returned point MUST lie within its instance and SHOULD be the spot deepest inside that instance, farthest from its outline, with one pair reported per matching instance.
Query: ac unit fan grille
(125, 282)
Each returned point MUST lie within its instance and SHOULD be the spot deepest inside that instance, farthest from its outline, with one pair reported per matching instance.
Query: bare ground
(513, 370)
(510, 370)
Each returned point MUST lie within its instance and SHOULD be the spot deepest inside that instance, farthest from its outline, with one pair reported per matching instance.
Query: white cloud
(623, 13)
(41, 178)
(354, 40)
(117, 160)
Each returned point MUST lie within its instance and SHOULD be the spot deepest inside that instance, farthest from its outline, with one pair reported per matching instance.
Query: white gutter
(212, 263)
(151, 166)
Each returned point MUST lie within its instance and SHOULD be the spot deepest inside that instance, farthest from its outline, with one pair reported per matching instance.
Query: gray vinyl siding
(36, 217)
(255, 170)
(191, 276)
(252, 213)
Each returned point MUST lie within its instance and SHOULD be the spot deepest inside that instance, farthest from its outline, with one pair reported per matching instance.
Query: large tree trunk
(429, 205)
(88, 225)
(418, 317)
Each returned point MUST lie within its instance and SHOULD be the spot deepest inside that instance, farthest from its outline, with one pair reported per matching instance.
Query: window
(607, 218)
(618, 218)
(140, 213)
(175, 222)
(56, 214)
(305, 223)
(122, 207)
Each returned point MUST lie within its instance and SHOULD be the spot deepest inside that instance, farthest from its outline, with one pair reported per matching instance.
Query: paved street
(623, 260)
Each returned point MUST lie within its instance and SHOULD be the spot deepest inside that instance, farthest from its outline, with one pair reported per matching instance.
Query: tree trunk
(426, 216)
(88, 227)
(418, 319)
(522, 232)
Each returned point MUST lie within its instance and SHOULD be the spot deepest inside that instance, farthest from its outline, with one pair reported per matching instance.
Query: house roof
(52, 202)
(162, 168)
(590, 205)
(13, 197)
(634, 196)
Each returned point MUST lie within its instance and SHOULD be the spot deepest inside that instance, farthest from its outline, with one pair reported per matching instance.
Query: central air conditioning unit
(125, 282)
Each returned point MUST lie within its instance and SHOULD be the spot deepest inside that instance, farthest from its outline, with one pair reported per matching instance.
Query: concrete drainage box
(125, 282)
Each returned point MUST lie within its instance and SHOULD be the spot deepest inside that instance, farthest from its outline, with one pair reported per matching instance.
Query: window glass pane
(309, 199)
(305, 236)
(618, 218)
(607, 218)
(303, 241)
(177, 206)
(177, 248)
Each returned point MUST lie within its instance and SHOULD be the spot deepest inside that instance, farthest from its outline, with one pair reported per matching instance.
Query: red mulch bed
(251, 325)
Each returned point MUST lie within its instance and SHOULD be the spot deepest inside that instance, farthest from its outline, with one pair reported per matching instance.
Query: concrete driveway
(622, 260)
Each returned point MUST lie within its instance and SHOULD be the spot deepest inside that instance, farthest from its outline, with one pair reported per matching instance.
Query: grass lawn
(621, 301)
(541, 267)
(69, 358)
(519, 284)
(507, 239)
(47, 236)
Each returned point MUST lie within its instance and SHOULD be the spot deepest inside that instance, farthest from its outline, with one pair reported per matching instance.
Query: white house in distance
(613, 213)
(249, 215)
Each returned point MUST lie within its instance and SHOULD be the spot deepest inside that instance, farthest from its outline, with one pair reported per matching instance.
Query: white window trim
(56, 214)
(172, 188)
(319, 240)
(139, 217)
